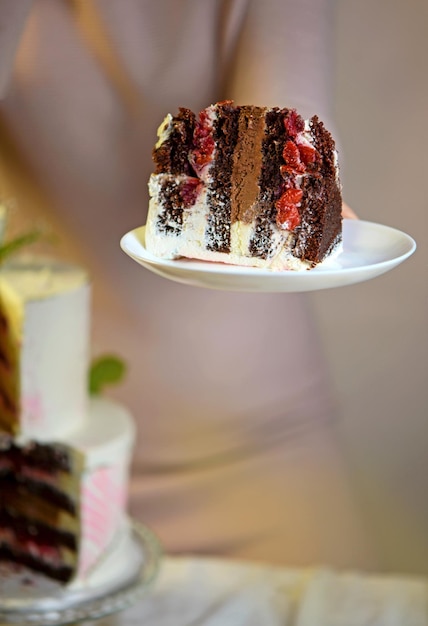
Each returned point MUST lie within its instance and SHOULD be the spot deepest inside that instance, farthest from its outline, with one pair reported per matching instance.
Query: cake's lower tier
(63, 503)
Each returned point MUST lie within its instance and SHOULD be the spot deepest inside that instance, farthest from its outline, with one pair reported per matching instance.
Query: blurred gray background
(377, 347)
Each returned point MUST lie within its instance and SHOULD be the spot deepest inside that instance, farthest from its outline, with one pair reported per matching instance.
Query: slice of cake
(245, 185)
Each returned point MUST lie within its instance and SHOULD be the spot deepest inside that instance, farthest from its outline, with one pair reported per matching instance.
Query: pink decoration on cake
(33, 410)
(103, 498)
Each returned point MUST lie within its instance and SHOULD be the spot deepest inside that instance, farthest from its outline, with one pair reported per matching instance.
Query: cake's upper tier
(44, 339)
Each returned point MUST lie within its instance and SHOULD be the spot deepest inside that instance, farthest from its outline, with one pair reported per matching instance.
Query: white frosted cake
(45, 325)
(64, 457)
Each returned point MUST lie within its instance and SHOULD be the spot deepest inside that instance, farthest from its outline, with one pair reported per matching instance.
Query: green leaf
(104, 371)
(9, 248)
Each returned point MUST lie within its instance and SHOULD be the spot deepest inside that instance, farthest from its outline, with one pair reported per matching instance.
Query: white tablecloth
(215, 592)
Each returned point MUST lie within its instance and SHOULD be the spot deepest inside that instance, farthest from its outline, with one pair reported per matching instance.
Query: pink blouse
(235, 451)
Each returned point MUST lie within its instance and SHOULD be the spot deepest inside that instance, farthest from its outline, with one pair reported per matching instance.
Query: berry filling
(300, 158)
(189, 191)
(288, 216)
(47, 553)
(308, 155)
(203, 143)
(291, 156)
(294, 123)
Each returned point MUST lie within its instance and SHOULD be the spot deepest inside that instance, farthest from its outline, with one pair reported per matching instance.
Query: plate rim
(197, 268)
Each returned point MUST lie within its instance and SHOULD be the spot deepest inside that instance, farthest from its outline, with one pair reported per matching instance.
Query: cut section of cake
(63, 504)
(64, 455)
(39, 507)
(245, 185)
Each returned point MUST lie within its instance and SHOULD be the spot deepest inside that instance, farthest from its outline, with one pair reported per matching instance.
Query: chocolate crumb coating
(171, 219)
(270, 183)
(219, 191)
(321, 219)
(173, 155)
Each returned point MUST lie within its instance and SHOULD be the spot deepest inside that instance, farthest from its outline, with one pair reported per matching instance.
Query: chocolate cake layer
(171, 220)
(225, 136)
(172, 156)
(33, 495)
(26, 529)
(37, 517)
(62, 573)
(321, 221)
(270, 183)
(46, 457)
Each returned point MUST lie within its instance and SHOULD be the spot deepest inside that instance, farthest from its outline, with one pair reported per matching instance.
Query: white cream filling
(191, 241)
(281, 258)
(164, 130)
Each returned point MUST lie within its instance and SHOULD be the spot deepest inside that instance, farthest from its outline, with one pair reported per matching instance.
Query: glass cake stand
(118, 582)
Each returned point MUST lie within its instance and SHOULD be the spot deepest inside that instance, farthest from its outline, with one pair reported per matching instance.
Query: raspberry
(203, 142)
(285, 170)
(291, 156)
(294, 123)
(291, 196)
(290, 153)
(189, 191)
(206, 146)
(288, 216)
(202, 153)
(307, 154)
(204, 119)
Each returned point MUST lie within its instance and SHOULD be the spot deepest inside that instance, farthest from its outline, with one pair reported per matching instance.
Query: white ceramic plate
(369, 250)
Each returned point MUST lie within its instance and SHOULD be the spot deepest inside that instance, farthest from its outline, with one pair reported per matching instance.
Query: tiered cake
(64, 457)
